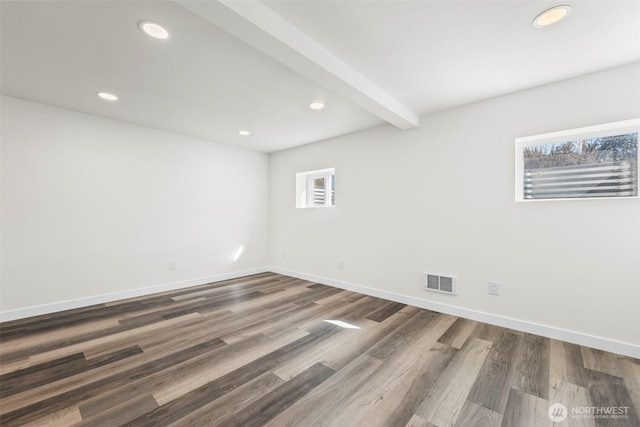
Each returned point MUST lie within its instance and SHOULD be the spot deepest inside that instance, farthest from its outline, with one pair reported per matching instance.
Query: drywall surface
(441, 199)
(92, 206)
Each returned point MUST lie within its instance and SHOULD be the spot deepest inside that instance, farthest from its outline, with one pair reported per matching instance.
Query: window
(316, 189)
(592, 162)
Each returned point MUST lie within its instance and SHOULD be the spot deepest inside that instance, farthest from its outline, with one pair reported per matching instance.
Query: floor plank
(448, 395)
(231, 403)
(65, 417)
(36, 408)
(257, 350)
(120, 414)
(475, 415)
(271, 404)
(532, 375)
(459, 332)
(493, 384)
(322, 406)
(608, 391)
(417, 421)
(572, 396)
(388, 387)
(523, 406)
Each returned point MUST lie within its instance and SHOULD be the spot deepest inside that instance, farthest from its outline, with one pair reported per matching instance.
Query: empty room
(319, 213)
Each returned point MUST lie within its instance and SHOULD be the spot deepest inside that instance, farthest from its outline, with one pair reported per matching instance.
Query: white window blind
(319, 191)
(611, 179)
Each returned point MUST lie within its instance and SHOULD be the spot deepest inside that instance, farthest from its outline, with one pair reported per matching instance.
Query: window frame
(596, 131)
(305, 188)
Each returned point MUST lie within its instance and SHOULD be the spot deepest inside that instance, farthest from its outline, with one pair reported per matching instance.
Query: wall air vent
(437, 283)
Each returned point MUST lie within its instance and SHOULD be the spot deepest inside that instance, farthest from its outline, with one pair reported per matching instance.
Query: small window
(316, 189)
(587, 163)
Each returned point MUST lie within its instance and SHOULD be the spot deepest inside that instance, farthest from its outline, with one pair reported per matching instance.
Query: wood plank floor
(259, 351)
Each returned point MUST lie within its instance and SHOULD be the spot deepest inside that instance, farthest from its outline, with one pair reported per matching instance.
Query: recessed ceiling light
(317, 105)
(154, 30)
(244, 132)
(107, 96)
(552, 16)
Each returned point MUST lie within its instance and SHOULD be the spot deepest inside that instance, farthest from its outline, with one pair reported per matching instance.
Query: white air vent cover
(435, 282)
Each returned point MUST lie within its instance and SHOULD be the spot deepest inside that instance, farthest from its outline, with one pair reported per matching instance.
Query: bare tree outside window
(582, 152)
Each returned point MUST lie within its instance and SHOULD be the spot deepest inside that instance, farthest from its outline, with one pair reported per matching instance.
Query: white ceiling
(232, 65)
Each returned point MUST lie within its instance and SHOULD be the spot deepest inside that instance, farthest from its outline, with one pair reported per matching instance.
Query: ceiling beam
(259, 26)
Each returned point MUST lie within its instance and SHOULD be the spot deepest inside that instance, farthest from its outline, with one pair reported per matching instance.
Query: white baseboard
(492, 319)
(115, 296)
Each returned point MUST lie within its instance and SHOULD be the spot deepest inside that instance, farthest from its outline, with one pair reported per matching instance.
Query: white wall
(92, 206)
(441, 199)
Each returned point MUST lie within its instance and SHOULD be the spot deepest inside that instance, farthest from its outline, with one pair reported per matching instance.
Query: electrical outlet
(341, 265)
(283, 255)
(172, 264)
(494, 287)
